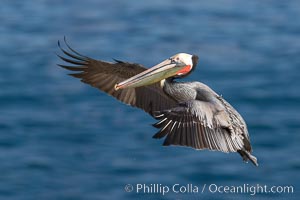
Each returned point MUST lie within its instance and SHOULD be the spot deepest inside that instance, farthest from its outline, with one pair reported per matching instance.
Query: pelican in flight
(188, 114)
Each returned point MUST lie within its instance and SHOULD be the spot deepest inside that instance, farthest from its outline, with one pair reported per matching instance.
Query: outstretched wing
(104, 76)
(201, 125)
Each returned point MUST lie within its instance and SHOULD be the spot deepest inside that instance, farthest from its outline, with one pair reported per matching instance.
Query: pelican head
(177, 66)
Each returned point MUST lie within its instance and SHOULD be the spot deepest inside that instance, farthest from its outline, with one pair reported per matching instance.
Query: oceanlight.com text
(251, 189)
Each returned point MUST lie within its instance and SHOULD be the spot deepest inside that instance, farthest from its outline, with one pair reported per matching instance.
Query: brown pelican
(189, 113)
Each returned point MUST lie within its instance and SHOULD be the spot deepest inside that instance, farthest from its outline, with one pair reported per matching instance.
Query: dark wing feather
(104, 76)
(200, 125)
(213, 125)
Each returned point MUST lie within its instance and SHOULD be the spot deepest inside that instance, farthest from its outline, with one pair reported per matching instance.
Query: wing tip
(75, 54)
(246, 155)
(79, 61)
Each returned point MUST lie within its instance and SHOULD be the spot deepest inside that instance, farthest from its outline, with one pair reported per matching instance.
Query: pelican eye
(172, 61)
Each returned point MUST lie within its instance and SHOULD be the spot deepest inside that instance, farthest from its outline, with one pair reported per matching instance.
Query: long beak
(155, 74)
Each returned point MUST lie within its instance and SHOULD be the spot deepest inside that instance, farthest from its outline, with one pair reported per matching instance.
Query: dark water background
(61, 139)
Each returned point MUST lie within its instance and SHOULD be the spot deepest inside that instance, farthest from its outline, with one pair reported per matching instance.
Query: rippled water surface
(61, 139)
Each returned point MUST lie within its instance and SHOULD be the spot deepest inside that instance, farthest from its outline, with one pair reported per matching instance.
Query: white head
(190, 61)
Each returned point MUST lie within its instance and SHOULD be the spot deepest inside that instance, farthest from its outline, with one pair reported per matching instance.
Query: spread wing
(104, 76)
(200, 125)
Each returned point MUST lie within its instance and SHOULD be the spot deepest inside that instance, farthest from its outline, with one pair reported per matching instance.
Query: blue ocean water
(61, 139)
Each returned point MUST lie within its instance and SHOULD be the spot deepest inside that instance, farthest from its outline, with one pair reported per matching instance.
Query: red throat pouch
(184, 70)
